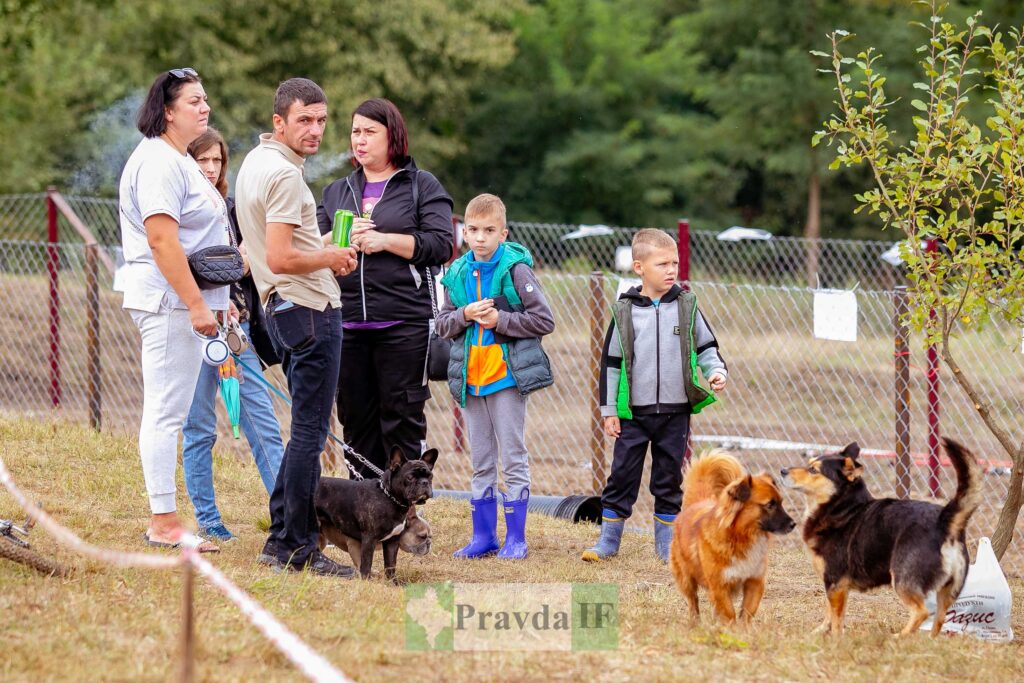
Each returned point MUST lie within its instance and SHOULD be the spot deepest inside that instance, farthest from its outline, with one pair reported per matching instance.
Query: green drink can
(342, 227)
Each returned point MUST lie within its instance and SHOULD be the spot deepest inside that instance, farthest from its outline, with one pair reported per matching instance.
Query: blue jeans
(309, 344)
(258, 422)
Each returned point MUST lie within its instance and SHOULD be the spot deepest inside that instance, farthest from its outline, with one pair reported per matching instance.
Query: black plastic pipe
(575, 508)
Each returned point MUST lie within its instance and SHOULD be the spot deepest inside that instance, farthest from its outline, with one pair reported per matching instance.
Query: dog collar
(404, 506)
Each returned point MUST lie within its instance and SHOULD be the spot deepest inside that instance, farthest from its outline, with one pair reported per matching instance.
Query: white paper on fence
(624, 284)
(983, 608)
(835, 315)
(623, 259)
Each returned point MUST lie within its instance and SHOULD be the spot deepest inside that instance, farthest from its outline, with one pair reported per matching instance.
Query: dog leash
(344, 446)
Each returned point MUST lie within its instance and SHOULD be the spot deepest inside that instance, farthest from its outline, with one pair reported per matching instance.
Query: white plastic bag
(983, 608)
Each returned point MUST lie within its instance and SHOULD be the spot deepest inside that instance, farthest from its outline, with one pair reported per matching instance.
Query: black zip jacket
(386, 286)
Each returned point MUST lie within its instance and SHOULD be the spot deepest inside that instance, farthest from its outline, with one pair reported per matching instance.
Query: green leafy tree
(53, 77)
(959, 180)
(591, 122)
(67, 66)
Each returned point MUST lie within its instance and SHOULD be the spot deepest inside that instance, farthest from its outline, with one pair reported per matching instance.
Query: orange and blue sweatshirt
(485, 367)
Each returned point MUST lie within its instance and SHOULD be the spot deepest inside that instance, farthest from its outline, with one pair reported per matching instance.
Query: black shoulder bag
(217, 266)
(212, 267)
(438, 348)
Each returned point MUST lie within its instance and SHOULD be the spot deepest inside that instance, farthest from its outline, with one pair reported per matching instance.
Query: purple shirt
(371, 195)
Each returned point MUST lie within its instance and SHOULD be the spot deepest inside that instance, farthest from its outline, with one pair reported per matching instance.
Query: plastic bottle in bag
(983, 607)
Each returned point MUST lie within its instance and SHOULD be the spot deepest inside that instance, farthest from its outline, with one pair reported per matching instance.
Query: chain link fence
(789, 393)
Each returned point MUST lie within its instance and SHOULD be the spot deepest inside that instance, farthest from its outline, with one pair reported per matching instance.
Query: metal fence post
(901, 361)
(683, 244)
(458, 428)
(931, 247)
(458, 420)
(92, 330)
(597, 327)
(52, 271)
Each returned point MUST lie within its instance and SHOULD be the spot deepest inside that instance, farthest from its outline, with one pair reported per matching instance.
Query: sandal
(159, 544)
(204, 547)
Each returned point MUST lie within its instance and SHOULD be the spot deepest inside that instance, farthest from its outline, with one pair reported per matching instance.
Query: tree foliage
(624, 112)
(958, 182)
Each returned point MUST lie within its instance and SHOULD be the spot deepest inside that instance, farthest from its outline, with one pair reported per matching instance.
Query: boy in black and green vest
(649, 388)
(495, 313)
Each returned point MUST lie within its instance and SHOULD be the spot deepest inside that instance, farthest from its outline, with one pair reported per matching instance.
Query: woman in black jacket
(403, 232)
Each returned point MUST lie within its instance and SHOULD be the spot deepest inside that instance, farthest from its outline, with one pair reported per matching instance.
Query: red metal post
(683, 244)
(684, 249)
(53, 269)
(458, 421)
(933, 400)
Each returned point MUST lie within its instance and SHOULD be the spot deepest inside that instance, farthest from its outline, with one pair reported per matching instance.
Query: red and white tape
(304, 657)
(312, 664)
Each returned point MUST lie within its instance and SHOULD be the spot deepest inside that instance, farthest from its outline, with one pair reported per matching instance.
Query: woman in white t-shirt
(169, 209)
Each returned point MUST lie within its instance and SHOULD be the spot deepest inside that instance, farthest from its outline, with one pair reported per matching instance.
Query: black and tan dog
(858, 542)
(374, 510)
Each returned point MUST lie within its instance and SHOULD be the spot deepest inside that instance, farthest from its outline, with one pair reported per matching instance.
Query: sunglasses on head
(182, 73)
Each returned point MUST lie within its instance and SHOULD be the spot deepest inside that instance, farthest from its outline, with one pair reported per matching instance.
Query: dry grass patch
(111, 624)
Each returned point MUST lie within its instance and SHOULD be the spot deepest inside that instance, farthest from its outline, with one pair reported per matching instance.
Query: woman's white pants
(171, 358)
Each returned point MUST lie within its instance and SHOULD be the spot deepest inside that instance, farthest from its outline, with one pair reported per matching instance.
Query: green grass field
(113, 624)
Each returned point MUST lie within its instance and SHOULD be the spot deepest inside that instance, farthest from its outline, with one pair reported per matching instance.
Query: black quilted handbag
(438, 348)
(216, 266)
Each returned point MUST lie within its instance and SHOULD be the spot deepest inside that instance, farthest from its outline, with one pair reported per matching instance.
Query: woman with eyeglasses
(169, 210)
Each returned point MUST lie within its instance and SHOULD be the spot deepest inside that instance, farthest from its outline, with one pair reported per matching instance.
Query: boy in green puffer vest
(495, 313)
(649, 388)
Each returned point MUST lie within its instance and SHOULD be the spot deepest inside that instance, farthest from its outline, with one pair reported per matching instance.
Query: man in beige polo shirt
(295, 275)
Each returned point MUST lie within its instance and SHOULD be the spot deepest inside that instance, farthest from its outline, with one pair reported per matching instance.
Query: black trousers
(309, 344)
(382, 393)
(666, 434)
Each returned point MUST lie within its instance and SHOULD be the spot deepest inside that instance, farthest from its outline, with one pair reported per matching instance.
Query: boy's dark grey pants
(667, 434)
(496, 423)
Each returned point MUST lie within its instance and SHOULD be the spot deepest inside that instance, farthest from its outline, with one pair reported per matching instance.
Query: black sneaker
(270, 561)
(321, 565)
(269, 556)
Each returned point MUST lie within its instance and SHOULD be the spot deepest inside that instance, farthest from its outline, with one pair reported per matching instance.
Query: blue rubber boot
(515, 527)
(663, 535)
(485, 527)
(611, 536)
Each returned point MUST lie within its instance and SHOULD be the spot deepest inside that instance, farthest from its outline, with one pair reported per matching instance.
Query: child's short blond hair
(647, 240)
(487, 205)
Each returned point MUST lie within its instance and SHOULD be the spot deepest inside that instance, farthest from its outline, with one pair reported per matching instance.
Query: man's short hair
(301, 89)
(487, 205)
(647, 240)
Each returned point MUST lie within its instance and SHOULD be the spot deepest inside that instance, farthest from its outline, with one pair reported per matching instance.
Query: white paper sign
(835, 315)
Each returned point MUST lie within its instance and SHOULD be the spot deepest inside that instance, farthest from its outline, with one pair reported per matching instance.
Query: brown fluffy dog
(721, 536)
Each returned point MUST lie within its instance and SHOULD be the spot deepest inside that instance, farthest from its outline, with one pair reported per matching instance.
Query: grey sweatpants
(496, 423)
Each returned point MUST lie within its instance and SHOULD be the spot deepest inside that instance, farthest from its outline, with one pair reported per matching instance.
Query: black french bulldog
(415, 539)
(374, 510)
